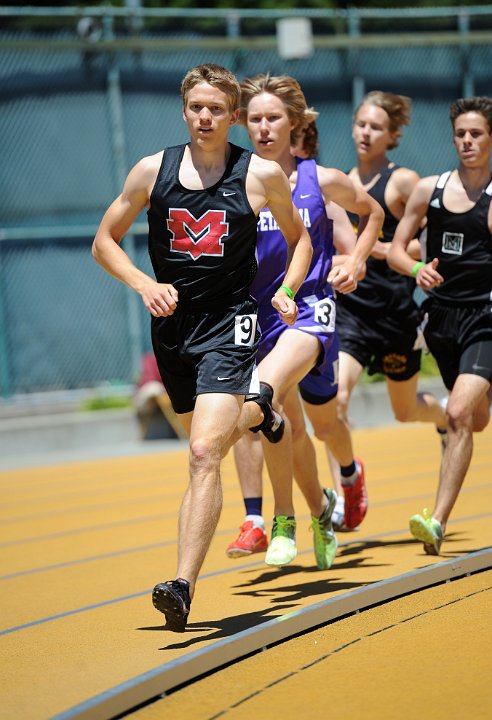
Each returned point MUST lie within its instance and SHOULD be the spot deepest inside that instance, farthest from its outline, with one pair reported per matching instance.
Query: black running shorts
(382, 345)
(199, 351)
(460, 338)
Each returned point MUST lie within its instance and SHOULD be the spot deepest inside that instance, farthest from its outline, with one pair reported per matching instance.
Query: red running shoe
(252, 539)
(356, 499)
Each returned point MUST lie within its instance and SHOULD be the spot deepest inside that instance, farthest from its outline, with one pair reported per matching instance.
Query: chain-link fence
(76, 114)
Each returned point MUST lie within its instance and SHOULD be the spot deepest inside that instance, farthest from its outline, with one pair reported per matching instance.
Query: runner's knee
(205, 454)
(343, 399)
(324, 430)
(459, 416)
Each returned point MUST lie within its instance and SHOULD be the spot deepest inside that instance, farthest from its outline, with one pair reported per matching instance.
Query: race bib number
(245, 329)
(324, 314)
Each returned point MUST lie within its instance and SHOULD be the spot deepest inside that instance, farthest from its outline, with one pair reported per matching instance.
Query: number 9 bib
(245, 329)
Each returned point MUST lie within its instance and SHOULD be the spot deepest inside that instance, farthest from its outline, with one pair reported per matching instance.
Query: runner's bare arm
(400, 187)
(268, 185)
(398, 190)
(159, 298)
(336, 186)
(398, 257)
(344, 237)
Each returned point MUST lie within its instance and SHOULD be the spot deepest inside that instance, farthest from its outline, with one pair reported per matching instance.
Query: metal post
(233, 24)
(358, 85)
(119, 154)
(5, 379)
(467, 80)
(135, 22)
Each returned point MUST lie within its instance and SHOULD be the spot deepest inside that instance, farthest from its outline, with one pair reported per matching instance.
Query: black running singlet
(463, 244)
(203, 241)
(383, 291)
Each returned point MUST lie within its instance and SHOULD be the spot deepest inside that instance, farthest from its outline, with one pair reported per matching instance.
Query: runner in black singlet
(204, 199)
(377, 323)
(458, 280)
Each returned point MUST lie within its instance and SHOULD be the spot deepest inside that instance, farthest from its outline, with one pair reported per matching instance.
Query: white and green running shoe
(324, 539)
(338, 515)
(428, 530)
(282, 549)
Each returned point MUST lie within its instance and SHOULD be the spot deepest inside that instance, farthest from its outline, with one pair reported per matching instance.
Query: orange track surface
(84, 543)
(426, 654)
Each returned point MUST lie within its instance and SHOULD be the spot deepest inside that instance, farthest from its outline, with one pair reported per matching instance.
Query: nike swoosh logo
(303, 197)
(226, 194)
(223, 378)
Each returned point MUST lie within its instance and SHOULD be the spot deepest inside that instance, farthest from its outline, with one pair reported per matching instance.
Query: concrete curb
(156, 683)
(58, 432)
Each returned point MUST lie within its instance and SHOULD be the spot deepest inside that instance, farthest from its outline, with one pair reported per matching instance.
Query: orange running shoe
(356, 499)
(251, 539)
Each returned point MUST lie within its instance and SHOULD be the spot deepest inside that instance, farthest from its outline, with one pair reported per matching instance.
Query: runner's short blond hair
(288, 90)
(397, 108)
(216, 76)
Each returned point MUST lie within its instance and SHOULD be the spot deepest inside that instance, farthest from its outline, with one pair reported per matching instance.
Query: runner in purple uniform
(275, 112)
(343, 240)
(252, 537)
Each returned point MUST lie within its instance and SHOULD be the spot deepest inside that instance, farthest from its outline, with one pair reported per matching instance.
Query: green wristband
(287, 291)
(416, 268)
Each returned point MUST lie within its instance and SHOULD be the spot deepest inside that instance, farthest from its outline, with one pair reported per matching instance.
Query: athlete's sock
(253, 506)
(349, 474)
(257, 520)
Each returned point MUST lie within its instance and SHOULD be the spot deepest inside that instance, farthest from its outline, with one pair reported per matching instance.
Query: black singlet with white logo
(203, 241)
(463, 244)
(383, 291)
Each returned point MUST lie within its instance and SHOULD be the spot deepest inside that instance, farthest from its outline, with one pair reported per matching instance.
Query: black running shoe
(273, 425)
(173, 599)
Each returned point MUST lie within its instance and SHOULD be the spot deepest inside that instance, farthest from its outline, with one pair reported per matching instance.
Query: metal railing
(130, 73)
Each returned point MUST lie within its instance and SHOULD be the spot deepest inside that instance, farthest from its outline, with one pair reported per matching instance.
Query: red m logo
(200, 236)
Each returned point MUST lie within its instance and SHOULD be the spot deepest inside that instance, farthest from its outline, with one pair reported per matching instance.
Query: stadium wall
(75, 117)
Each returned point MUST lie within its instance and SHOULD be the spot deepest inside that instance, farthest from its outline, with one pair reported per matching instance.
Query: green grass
(428, 365)
(106, 402)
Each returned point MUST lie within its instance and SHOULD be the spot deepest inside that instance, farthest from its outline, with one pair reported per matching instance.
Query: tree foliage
(255, 4)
